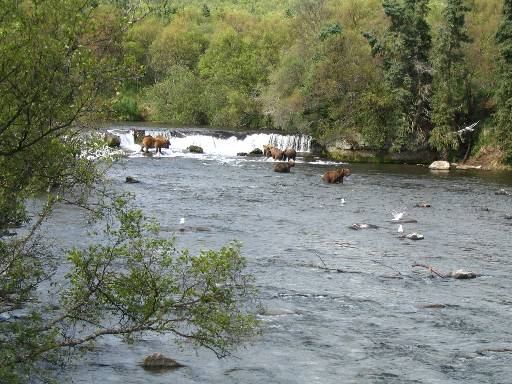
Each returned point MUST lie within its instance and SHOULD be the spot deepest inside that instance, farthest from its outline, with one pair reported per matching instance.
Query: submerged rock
(195, 149)
(503, 192)
(434, 306)
(131, 180)
(359, 226)
(309, 158)
(423, 205)
(415, 236)
(256, 152)
(158, 361)
(440, 166)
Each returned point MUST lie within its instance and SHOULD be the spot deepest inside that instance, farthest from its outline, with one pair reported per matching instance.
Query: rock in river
(195, 149)
(359, 226)
(131, 180)
(158, 361)
(463, 275)
(112, 141)
(440, 166)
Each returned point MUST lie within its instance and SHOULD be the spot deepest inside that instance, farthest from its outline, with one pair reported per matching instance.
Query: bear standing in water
(284, 167)
(158, 142)
(336, 176)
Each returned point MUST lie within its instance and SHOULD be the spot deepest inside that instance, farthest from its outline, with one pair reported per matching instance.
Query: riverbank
(488, 158)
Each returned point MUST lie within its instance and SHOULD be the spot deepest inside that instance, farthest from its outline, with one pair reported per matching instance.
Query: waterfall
(219, 144)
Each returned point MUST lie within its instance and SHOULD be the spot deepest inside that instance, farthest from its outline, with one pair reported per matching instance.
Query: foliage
(404, 50)
(504, 93)
(60, 61)
(451, 88)
(177, 99)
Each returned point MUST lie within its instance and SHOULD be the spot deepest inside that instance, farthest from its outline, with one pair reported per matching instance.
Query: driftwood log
(458, 274)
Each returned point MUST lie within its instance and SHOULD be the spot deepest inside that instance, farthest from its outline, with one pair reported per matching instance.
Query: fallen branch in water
(326, 268)
(387, 266)
(430, 269)
(459, 274)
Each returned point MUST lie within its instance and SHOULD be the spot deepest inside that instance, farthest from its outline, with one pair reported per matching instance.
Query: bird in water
(182, 220)
(343, 201)
(400, 229)
(397, 216)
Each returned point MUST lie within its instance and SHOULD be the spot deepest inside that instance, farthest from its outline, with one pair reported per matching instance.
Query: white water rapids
(214, 145)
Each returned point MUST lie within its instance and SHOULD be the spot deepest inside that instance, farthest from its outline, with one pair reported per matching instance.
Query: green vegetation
(385, 76)
(390, 75)
(63, 63)
(504, 93)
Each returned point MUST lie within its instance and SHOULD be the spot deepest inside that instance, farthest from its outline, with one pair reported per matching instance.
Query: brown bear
(289, 154)
(267, 150)
(336, 176)
(158, 142)
(284, 167)
(276, 153)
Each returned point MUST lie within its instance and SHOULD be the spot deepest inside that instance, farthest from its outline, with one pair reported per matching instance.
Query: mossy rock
(159, 362)
(256, 152)
(112, 141)
(195, 149)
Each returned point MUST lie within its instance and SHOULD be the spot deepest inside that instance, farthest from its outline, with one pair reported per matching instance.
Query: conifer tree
(504, 92)
(451, 79)
(404, 50)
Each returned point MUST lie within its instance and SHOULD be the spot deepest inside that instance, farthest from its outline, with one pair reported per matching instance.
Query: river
(372, 324)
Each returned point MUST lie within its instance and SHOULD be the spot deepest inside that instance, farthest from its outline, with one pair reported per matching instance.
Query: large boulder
(158, 361)
(131, 180)
(112, 141)
(440, 165)
(195, 149)
(256, 152)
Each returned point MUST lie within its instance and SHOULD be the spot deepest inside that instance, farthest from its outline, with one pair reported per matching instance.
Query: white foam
(222, 149)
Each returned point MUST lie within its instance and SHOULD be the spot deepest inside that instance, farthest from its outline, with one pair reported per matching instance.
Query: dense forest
(394, 75)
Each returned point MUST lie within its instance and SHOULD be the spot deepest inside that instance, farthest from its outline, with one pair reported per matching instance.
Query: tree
(404, 50)
(56, 58)
(451, 79)
(504, 69)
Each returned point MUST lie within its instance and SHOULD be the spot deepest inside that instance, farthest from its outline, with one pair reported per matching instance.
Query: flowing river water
(381, 321)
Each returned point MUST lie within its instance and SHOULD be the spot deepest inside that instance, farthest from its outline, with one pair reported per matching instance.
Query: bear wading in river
(336, 176)
(158, 142)
(289, 154)
(284, 167)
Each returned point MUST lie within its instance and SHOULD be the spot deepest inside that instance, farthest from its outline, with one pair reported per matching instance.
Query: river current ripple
(371, 326)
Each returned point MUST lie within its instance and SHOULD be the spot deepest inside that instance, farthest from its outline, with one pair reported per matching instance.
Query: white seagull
(397, 216)
(343, 201)
(182, 220)
(400, 229)
(469, 128)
